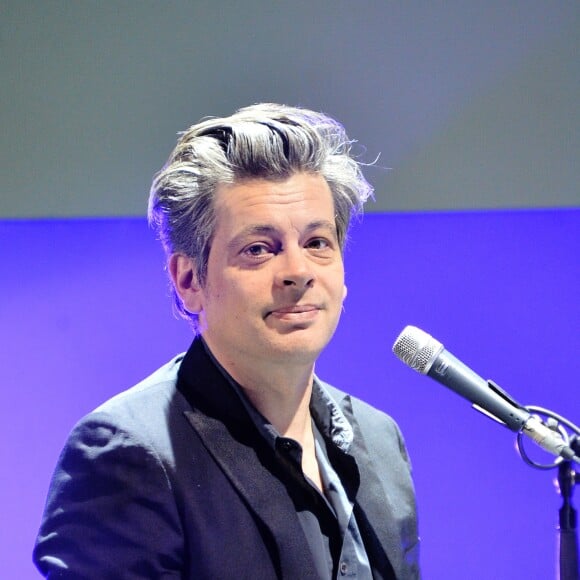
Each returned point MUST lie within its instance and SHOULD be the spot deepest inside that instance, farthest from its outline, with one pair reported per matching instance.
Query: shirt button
(343, 568)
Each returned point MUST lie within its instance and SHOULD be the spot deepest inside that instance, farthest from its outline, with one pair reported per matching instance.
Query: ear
(183, 274)
(344, 292)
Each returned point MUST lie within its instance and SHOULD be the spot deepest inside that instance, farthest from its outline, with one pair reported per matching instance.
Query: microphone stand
(568, 478)
(567, 529)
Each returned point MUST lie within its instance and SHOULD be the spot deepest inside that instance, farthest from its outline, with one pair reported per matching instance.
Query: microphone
(426, 355)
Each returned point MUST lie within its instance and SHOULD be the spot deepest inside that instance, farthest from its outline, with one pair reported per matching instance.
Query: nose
(295, 269)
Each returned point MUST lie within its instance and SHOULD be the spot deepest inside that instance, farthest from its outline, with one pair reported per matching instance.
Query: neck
(279, 391)
(287, 406)
(282, 397)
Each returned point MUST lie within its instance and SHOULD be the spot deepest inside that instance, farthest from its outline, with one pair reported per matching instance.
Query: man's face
(275, 277)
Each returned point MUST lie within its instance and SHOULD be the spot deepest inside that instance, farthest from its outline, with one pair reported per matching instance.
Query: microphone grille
(417, 349)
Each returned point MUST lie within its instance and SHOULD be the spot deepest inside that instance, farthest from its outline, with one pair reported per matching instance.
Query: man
(234, 460)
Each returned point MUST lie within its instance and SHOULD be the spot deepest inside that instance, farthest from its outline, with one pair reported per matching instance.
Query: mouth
(295, 312)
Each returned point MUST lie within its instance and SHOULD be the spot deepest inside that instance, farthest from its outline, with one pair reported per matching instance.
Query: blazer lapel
(222, 423)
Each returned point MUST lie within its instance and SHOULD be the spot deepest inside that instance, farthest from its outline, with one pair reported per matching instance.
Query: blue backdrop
(85, 313)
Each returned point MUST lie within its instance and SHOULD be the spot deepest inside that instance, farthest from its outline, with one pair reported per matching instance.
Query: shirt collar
(329, 417)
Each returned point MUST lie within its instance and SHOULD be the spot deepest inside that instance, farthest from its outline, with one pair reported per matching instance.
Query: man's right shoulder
(158, 385)
(147, 404)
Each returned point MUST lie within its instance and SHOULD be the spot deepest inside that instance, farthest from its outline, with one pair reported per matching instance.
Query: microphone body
(427, 356)
(452, 373)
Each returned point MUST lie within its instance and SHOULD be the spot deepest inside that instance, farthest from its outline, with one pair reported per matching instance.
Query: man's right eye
(257, 250)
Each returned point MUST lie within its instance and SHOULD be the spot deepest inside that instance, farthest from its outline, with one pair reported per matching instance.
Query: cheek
(337, 281)
(231, 294)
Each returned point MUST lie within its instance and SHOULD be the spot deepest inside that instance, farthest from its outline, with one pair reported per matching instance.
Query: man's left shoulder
(379, 429)
(361, 409)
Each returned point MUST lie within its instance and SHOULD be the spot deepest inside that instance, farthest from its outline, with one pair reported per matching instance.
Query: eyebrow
(270, 230)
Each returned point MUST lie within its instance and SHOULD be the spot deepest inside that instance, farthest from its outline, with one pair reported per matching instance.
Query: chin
(298, 346)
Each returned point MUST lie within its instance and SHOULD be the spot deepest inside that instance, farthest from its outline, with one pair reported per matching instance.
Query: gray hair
(264, 141)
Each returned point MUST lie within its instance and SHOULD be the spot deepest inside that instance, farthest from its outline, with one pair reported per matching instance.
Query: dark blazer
(171, 479)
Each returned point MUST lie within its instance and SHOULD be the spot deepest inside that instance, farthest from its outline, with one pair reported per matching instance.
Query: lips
(294, 311)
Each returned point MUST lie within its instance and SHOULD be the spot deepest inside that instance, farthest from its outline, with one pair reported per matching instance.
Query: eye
(257, 250)
(318, 244)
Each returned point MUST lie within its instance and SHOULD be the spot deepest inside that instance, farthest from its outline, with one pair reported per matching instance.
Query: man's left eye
(318, 244)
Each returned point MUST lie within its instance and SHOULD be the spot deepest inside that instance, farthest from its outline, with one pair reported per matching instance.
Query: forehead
(301, 195)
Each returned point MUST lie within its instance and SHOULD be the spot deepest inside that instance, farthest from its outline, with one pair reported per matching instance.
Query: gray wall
(469, 104)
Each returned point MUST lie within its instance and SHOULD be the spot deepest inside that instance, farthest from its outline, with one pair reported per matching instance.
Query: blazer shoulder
(159, 383)
(361, 408)
(141, 416)
(113, 480)
(376, 425)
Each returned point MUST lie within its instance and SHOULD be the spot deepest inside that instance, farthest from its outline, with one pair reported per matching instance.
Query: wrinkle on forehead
(298, 188)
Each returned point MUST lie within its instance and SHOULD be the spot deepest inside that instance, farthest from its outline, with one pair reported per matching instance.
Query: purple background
(85, 313)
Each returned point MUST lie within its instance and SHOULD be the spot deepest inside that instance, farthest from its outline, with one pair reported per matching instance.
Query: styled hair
(263, 141)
